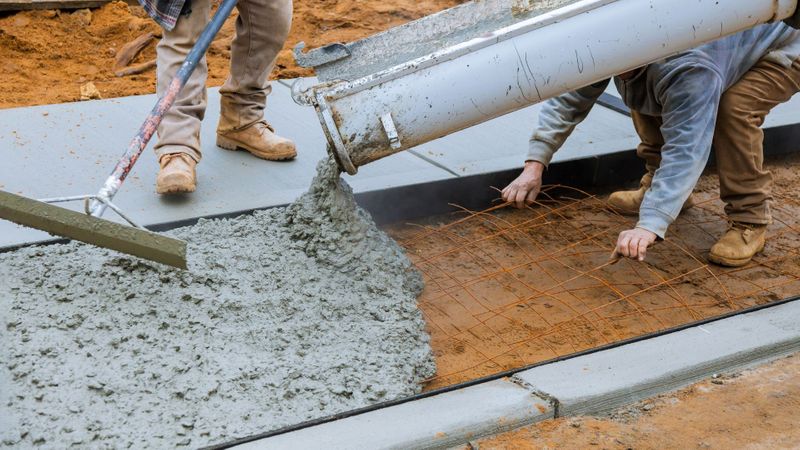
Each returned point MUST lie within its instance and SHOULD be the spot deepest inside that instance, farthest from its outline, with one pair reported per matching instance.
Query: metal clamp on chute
(336, 145)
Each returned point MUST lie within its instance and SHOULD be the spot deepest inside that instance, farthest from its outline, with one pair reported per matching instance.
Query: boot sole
(175, 187)
(230, 144)
(733, 262)
(175, 190)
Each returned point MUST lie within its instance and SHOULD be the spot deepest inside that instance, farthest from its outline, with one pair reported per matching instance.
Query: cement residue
(285, 315)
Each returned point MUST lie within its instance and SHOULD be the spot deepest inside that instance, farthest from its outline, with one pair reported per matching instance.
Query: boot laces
(747, 229)
(263, 125)
(170, 156)
(743, 225)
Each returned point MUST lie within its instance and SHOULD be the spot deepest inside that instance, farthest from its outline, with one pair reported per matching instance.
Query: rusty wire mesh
(506, 288)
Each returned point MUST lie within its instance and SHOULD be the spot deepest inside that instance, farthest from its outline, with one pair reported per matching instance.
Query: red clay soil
(508, 288)
(758, 409)
(45, 56)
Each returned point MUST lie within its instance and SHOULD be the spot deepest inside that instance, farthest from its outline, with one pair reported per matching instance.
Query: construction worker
(261, 30)
(744, 184)
(675, 104)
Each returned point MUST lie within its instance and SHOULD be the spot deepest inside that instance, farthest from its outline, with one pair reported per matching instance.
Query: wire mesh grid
(506, 288)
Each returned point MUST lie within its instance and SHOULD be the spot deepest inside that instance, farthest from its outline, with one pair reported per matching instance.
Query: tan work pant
(744, 184)
(261, 30)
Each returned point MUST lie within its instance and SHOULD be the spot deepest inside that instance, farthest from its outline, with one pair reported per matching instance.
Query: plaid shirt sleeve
(165, 12)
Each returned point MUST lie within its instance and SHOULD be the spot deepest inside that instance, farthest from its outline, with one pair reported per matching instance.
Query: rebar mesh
(506, 288)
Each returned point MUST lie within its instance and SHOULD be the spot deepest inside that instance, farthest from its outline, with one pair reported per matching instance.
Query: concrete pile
(285, 315)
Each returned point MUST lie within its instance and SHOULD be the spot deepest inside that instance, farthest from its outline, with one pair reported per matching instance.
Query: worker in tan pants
(745, 185)
(649, 149)
(261, 30)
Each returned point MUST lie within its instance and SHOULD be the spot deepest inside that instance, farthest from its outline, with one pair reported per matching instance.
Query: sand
(45, 56)
(285, 315)
(757, 409)
(507, 288)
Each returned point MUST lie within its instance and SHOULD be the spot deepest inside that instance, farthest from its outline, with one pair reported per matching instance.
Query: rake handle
(165, 102)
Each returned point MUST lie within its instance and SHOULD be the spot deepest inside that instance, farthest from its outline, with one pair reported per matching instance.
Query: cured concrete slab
(502, 143)
(69, 149)
(782, 115)
(604, 380)
(440, 421)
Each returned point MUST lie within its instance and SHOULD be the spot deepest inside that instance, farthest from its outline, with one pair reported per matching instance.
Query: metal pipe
(516, 66)
(165, 102)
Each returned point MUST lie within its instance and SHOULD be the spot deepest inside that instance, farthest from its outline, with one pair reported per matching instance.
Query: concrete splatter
(285, 315)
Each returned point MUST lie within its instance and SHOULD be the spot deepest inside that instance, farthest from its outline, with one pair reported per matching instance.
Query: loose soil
(45, 56)
(506, 288)
(757, 409)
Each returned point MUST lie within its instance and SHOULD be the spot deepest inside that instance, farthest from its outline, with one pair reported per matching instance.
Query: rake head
(55, 220)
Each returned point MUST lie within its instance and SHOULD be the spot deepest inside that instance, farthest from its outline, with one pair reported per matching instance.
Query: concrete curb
(587, 384)
(599, 382)
(440, 421)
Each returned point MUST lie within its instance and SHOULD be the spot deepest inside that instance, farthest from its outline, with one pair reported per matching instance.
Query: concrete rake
(90, 227)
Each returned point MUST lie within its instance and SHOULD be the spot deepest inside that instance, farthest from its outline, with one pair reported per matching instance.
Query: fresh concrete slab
(285, 315)
(440, 421)
(605, 380)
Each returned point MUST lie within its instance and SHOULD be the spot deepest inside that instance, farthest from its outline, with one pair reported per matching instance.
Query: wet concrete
(285, 315)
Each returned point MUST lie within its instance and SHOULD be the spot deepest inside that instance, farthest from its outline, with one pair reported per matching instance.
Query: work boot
(738, 246)
(177, 174)
(260, 140)
(628, 202)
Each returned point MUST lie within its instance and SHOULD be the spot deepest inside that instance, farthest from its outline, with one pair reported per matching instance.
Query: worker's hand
(525, 188)
(633, 243)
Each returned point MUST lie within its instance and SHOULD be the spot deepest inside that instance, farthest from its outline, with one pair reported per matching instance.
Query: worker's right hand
(525, 188)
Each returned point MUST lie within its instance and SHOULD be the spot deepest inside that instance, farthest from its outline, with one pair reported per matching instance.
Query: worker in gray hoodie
(682, 95)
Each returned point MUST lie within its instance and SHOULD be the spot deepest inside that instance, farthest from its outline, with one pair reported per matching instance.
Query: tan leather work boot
(738, 246)
(177, 174)
(260, 140)
(628, 202)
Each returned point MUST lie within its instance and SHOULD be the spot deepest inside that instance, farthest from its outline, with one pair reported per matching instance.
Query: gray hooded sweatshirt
(684, 90)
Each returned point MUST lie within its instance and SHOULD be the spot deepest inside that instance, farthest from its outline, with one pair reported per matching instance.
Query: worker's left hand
(633, 243)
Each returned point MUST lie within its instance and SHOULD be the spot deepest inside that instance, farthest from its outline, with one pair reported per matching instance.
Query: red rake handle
(150, 125)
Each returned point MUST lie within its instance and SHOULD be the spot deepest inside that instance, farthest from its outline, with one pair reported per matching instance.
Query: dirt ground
(507, 288)
(45, 56)
(757, 409)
